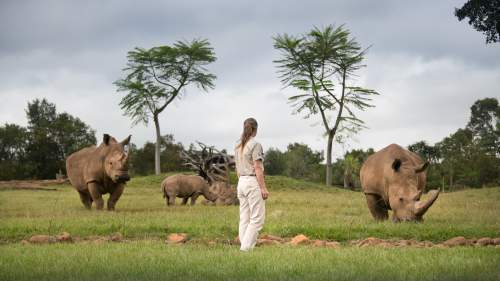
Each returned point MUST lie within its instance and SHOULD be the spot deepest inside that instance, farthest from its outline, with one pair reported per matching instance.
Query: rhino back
(184, 185)
(377, 169)
(76, 165)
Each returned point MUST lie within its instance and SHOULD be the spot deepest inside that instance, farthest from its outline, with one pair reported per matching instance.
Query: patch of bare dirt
(32, 184)
(272, 240)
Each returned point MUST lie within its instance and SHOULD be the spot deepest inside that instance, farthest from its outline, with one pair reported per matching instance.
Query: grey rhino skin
(394, 179)
(226, 194)
(185, 187)
(95, 171)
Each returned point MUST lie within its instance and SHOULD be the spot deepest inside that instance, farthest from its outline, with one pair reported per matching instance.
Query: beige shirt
(244, 161)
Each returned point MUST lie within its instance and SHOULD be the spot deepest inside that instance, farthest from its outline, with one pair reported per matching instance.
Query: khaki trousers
(252, 211)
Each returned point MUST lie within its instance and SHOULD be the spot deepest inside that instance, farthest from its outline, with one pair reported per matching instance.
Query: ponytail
(249, 129)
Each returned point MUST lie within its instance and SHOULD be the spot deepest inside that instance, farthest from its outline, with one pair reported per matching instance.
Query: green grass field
(294, 207)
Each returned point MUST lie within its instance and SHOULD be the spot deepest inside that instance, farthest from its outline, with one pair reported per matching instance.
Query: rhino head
(405, 189)
(225, 194)
(116, 159)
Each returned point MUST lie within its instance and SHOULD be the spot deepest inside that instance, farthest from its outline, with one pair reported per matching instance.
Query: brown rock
(272, 237)
(332, 244)
(40, 239)
(237, 241)
(318, 243)
(299, 240)
(484, 241)
(116, 237)
(177, 238)
(64, 237)
(496, 241)
(456, 241)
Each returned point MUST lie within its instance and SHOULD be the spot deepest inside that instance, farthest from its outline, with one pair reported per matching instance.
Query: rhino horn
(422, 207)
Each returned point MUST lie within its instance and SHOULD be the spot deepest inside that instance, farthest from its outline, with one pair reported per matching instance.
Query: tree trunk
(157, 145)
(329, 159)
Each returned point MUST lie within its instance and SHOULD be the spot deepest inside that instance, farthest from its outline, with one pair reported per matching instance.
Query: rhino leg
(170, 199)
(86, 199)
(377, 206)
(193, 198)
(113, 198)
(185, 200)
(96, 195)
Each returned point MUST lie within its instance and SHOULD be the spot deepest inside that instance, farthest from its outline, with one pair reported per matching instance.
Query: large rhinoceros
(394, 179)
(95, 171)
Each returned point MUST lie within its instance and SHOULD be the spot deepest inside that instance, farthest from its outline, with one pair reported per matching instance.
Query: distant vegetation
(39, 150)
(470, 157)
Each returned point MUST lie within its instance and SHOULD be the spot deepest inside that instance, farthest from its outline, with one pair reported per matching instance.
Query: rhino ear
(422, 167)
(396, 164)
(106, 138)
(126, 141)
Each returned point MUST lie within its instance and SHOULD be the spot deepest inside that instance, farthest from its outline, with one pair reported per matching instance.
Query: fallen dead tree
(213, 165)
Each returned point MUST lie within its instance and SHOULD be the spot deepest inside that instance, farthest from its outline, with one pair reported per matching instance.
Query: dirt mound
(272, 240)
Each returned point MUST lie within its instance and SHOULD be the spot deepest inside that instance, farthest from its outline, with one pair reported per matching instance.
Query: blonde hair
(249, 128)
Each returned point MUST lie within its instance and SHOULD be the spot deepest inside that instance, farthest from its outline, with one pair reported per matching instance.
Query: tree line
(470, 157)
(39, 150)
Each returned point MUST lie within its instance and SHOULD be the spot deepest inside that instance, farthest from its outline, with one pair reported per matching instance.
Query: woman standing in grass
(252, 189)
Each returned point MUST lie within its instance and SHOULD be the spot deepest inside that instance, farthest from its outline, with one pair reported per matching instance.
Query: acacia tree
(314, 63)
(156, 76)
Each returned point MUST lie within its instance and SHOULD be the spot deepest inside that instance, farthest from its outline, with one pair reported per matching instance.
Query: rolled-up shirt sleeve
(257, 152)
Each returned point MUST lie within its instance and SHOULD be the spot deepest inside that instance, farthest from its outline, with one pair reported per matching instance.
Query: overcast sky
(428, 66)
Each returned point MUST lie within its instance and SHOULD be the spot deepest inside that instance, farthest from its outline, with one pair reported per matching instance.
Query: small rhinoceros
(394, 179)
(226, 194)
(95, 171)
(185, 187)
